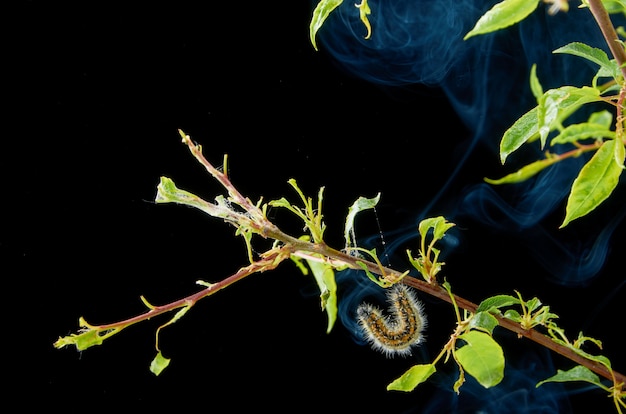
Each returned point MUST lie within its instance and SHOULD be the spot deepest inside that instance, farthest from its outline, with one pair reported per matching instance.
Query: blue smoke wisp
(486, 80)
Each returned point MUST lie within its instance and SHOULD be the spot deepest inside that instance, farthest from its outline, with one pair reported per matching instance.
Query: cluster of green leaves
(476, 352)
(427, 262)
(600, 175)
(471, 345)
(533, 315)
(600, 134)
(324, 270)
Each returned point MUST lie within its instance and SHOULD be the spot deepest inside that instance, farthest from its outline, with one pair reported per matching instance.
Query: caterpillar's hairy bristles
(398, 332)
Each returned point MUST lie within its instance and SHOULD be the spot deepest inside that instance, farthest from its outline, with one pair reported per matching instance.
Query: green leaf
(325, 278)
(82, 340)
(583, 338)
(284, 203)
(483, 321)
(578, 373)
(596, 181)
(579, 132)
(159, 363)
(298, 262)
(311, 216)
(524, 173)
(504, 14)
(601, 359)
(532, 304)
(535, 86)
(359, 205)
(615, 7)
(598, 126)
(379, 280)
(167, 192)
(544, 316)
(439, 225)
(595, 55)
(603, 117)
(414, 376)
(320, 14)
(482, 358)
(513, 315)
(557, 104)
(497, 302)
(523, 130)
(420, 264)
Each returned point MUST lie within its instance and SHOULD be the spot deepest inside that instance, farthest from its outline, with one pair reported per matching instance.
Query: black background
(101, 91)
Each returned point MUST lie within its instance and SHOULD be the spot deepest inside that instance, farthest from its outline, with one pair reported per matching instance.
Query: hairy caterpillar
(398, 332)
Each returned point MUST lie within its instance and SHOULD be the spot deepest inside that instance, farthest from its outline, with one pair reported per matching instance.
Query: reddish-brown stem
(222, 178)
(531, 334)
(580, 148)
(619, 128)
(608, 31)
(269, 262)
(438, 292)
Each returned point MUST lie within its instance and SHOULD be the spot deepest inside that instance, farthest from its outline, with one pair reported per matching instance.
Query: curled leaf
(159, 363)
(438, 224)
(359, 205)
(320, 14)
(364, 11)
